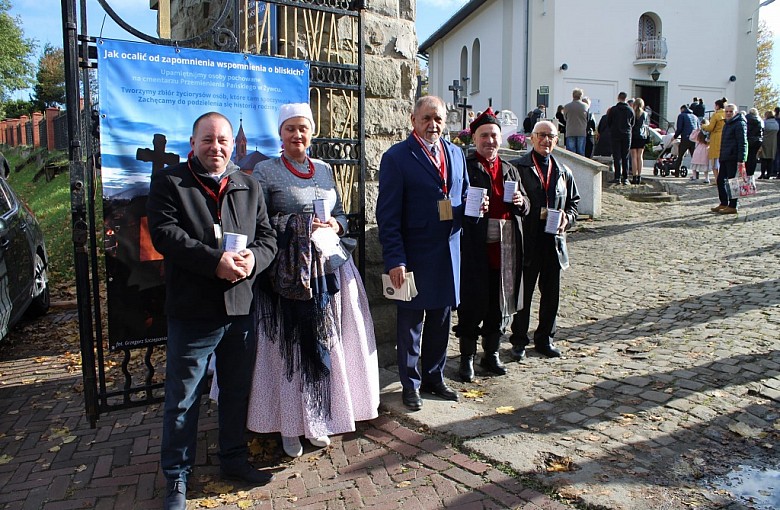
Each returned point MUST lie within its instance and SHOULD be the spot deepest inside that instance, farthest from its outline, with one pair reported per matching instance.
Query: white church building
(516, 54)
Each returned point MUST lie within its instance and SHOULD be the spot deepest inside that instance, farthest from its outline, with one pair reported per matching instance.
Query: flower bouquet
(516, 141)
(463, 138)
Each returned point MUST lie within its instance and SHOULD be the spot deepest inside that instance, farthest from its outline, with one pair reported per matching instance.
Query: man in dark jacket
(620, 120)
(733, 154)
(697, 108)
(553, 194)
(491, 252)
(686, 123)
(208, 298)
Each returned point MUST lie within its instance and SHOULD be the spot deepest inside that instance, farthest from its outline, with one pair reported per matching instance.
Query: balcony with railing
(651, 51)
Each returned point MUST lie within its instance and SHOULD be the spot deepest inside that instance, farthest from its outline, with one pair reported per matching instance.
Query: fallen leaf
(68, 439)
(207, 503)
(5, 459)
(474, 394)
(505, 410)
(245, 503)
(81, 468)
(405, 483)
(217, 488)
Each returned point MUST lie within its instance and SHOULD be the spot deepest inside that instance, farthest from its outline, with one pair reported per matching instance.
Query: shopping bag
(732, 188)
(747, 185)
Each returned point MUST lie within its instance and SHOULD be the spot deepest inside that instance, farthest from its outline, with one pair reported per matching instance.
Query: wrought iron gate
(327, 33)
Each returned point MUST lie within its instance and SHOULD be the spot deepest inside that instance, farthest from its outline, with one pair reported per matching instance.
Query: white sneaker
(320, 442)
(292, 446)
(706, 181)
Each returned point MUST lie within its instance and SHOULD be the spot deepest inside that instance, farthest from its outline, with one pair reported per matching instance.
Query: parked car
(24, 285)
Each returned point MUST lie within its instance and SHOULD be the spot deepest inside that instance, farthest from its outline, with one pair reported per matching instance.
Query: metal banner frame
(327, 33)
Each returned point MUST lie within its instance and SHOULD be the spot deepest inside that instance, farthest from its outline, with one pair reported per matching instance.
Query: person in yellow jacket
(715, 128)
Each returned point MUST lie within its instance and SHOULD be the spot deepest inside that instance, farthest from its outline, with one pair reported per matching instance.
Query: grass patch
(47, 192)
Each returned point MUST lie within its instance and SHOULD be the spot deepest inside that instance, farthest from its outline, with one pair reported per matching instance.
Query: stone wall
(390, 46)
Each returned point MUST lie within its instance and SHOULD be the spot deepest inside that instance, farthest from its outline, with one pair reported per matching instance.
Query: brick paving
(51, 459)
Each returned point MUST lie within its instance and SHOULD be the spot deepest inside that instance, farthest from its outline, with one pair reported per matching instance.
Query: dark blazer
(181, 224)
(564, 197)
(410, 231)
(474, 256)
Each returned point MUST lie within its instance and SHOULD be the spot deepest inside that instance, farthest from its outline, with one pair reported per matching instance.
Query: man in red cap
(491, 251)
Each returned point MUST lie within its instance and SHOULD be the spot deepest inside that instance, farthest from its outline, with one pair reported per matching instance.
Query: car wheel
(41, 297)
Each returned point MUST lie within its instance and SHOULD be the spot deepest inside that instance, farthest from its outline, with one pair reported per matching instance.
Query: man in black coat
(620, 120)
(552, 193)
(208, 298)
(491, 252)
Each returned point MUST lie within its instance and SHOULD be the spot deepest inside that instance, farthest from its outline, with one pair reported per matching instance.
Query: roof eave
(463, 13)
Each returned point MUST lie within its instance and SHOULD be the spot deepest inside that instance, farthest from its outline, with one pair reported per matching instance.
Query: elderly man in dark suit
(552, 192)
(422, 186)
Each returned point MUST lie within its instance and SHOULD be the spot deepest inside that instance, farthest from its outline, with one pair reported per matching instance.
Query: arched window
(475, 56)
(464, 70)
(650, 42)
(647, 28)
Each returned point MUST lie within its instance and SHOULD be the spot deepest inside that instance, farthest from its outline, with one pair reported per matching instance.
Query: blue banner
(147, 90)
(149, 96)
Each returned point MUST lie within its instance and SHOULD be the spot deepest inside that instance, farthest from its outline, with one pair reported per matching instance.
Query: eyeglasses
(549, 136)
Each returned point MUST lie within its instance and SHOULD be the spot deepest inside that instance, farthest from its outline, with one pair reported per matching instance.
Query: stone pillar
(391, 84)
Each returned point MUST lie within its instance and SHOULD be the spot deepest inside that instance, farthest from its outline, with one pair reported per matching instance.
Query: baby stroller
(664, 164)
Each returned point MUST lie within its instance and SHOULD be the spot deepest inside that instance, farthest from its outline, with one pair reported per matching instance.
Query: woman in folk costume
(491, 252)
(316, 371)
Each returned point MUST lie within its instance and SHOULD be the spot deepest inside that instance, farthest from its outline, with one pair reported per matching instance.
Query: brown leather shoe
(718, 208)
(728, 210)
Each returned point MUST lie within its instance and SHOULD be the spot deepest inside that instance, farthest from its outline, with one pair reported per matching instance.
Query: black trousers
(489, 317)
(544, 269)
(620, 151)
(752, 157)
(686, 145)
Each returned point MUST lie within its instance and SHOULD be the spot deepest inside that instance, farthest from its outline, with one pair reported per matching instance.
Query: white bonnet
(291, 110)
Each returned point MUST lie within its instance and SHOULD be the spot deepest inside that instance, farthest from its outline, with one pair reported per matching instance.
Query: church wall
(596, 39)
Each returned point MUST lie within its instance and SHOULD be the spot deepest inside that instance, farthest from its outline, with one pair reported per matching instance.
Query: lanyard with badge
(217, 197)
(444, 204)
(545, 178)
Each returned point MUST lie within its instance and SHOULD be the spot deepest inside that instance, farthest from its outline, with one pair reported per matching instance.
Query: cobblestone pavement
(669, 325)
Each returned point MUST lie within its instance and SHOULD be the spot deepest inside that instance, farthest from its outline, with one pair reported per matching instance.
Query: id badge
(218, 234)
(543, 214)
(445, 209)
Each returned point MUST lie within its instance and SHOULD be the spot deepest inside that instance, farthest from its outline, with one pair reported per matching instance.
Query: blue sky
(41, 21)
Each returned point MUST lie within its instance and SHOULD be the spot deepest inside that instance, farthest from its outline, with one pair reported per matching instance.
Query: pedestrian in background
(732, 155)
(755, 136)
(769, 145)
(639, 135)
(576, 115)
(620, 119)
(715, 128)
